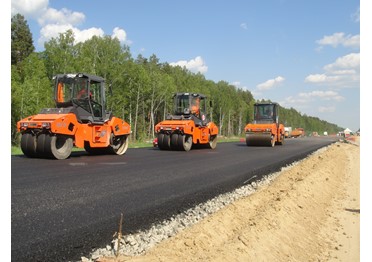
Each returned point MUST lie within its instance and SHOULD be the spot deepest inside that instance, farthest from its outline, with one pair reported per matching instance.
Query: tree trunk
(152, 120)
(221, 120)
(240, 123)
(165, 108)
(136, 114)
(211, 115)
(229, 125)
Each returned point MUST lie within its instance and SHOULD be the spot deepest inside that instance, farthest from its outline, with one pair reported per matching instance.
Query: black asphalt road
(62, 209)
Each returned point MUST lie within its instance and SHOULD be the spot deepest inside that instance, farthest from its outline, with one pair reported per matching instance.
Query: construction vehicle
(188, 126)
(265, 129)
(298, 132)
(287, 131)
(80, 119)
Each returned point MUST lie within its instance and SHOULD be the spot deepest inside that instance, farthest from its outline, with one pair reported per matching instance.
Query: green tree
(16, 91)
(30, 92)
(60, 54)
(102, 56)
(22, 44)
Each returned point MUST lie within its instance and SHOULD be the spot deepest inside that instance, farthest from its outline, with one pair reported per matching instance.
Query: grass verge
(16, 150)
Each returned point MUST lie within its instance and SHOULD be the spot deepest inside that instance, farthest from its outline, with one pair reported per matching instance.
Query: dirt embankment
(311, 212)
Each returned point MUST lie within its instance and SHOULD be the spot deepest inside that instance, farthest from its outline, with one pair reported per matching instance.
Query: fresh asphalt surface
(62, 209)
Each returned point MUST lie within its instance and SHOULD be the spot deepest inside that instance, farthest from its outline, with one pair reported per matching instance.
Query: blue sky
(301, 54)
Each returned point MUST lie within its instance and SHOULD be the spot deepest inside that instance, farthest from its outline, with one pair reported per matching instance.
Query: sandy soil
(311, 212)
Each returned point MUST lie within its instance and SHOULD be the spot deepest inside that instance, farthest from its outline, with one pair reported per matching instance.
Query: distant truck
(287, 131)
(298, 132)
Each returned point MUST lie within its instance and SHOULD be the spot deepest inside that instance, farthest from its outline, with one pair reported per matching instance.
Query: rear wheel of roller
(61, 146)
(213, 141)
(185, 142)
(119, 144)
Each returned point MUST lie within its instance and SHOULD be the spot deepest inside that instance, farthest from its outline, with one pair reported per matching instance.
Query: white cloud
(316, 78)
(244, 26)
(344, 72)
(326, 109)
(269, 84)
(194, 65)
(340, 39)
(29, 8)
(53, 30)
(121, 35)
(84, 35)
(321, 78)
(54, 22)
(314, 99)
(350, 61)
(325, 95)
(63, 16)
(294, 101)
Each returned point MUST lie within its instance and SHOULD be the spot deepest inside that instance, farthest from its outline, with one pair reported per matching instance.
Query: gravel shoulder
(307, 212)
